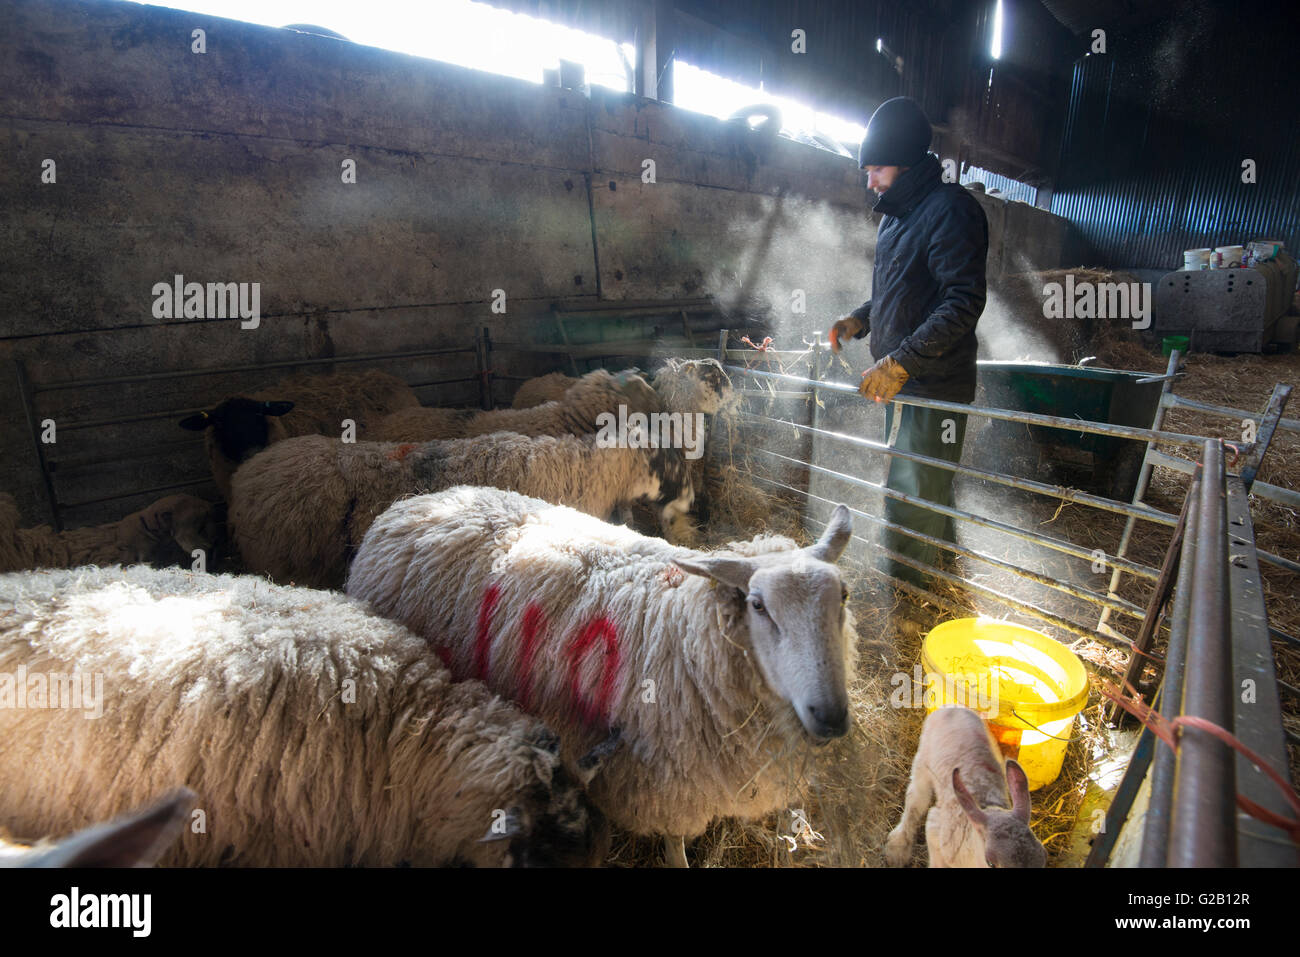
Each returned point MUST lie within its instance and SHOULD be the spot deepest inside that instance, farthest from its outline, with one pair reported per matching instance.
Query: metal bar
(1258, 723)
(1144, 478)
(227, 370)
(1024, 607)
(1160, 595)
(75, 463)
(1264, 436)
(1059, 545)
(481, 360)
(140, 491)
(1025, 485)
(564, 337)
(1155, 830)
(33, 429)
(1179, 402)
(723, 334)
(1122, 802)
(640, 309)
(1278, 560)
(1029, 418)
(1280, 635)
(1120, 605)
(1203, 829)
(1274, 493)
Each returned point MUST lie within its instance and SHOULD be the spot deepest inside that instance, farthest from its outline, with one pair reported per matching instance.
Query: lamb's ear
(973, 811)
(590, 763)
(1018, 782)
(728, 569)
(831, 545)
(196, 422)
(276, 407)
(135, 841)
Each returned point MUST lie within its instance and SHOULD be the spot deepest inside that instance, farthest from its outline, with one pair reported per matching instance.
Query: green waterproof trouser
(938, 435)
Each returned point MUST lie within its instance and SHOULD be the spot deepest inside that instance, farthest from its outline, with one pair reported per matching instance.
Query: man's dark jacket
(928, 285)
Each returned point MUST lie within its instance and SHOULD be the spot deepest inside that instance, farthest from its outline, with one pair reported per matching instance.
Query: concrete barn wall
(225, 166)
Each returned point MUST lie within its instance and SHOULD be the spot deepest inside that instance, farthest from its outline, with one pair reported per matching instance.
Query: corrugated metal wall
(1156, 133)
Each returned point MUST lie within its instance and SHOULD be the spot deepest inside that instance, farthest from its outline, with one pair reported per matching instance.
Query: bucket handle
(1077, 737)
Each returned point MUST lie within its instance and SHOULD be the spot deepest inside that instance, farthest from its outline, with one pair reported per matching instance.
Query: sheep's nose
(831, 722)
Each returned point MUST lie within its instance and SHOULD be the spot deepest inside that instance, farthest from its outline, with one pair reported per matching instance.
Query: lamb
(720, 668)
(134, 840)
(575, 413)
(169, 530)
(242, 425)
(315, 733)
(960, 769)
(683, 385)
(299, 510)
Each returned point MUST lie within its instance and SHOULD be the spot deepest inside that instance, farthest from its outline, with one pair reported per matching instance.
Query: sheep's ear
(591, 762)
(1018, 782)
(504, 828)
(728, 569)
(276, 407)
(196, 422)
(831, 545)
(973, 811)
(136, 841)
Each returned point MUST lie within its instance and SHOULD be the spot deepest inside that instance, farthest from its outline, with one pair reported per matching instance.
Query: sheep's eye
(758, 606)
(844, 594)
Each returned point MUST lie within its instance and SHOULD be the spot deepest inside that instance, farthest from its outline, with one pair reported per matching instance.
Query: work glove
(883, 380)
(846, 327)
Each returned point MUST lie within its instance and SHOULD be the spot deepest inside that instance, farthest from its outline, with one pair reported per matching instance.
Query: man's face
(880, 178)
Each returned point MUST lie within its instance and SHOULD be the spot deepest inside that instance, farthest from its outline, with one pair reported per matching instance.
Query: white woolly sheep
(720, 668)
(959, 769)
(575, 413)
(243, 425)
(164, 532)
(299, 510)
(314, 732)
(683, 385)
(134, 840)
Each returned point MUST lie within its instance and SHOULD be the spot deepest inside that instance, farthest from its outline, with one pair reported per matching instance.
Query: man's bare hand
(883, 380)
(846, 327)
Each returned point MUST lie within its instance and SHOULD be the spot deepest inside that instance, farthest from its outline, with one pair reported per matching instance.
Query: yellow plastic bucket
(1026, 685)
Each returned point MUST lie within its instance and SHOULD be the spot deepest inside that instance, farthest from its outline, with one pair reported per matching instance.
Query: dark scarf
(911, 187)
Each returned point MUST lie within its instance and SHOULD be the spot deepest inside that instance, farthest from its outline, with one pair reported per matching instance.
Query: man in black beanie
(927, 293)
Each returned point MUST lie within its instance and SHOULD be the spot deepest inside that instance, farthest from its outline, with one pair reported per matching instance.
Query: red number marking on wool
(534, 625)
(402, 451)
(483, 640)
(602, 628)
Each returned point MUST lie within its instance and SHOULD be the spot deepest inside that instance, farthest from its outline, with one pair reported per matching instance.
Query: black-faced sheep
(133, 840)
(299, 510)
(243, 425)
(314, 732)
(721, 668)
(974, 822)
(167, 531)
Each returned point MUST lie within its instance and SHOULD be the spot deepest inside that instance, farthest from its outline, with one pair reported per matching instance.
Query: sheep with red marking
(721, 668)
(241, 426)
(315, 733)
(299, 510)
(167, 531)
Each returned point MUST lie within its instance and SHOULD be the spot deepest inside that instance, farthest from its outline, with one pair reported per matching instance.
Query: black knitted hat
(898, 134)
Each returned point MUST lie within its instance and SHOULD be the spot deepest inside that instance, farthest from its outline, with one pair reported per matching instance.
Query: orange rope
(1167, 731)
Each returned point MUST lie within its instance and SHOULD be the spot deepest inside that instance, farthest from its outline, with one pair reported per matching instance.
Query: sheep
(575, 413)
(314, 732)
(134, 840)
(299, 510)
(168, 530)
(959, 769)
(589, 624)
(542, 388)
(242, 425)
